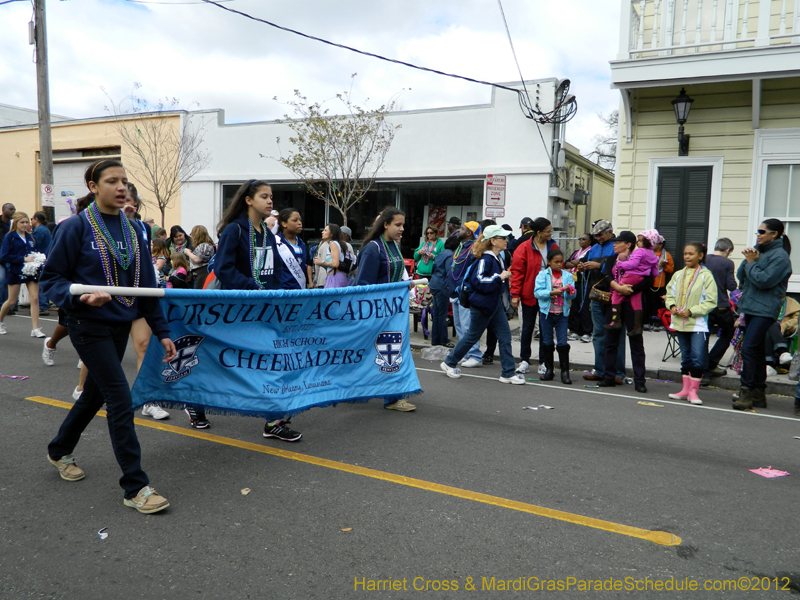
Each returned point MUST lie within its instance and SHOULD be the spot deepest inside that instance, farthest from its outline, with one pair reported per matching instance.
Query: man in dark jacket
(722, 318)
(526, 229)
(43, 239)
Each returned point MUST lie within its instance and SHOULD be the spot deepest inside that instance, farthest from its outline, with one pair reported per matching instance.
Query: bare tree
(164, 151)
(605, 149)
(337, 156)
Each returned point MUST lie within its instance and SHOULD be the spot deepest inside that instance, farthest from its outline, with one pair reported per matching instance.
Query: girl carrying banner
(381, 261)
(101, 247)
(247, 259)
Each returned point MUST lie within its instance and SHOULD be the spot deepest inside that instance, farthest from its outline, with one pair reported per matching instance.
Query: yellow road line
(662, 538)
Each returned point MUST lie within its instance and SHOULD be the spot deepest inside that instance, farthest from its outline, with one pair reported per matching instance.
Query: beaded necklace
(107, 246)
(256, 268)
(460, 258)
(683, 295)
(394, 267)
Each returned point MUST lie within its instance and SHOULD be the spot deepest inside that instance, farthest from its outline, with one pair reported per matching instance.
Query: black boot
(563, 364)
(637, 324)
(547, 358)
(745, 399)
(797, 407)
(760, 398)
(616, 317)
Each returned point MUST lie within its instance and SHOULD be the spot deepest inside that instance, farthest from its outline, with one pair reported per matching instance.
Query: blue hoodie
(74, 259)
(233, 263)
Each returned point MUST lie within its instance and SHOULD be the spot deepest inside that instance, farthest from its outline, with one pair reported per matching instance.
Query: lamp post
(682, 105)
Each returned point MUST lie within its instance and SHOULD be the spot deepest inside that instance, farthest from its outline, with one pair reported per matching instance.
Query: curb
(728, 382)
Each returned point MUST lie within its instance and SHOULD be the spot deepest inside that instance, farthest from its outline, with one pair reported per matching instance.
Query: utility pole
(43, 87)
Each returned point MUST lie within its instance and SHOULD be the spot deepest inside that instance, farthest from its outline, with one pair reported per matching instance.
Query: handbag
(601, 296)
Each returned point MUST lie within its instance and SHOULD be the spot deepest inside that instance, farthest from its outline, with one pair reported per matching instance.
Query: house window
(782, 201)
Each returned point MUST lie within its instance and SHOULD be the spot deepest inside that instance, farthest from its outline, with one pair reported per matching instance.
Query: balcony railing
(669, 27)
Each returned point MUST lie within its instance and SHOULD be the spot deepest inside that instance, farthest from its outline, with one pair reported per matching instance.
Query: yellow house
(582, 175)
(738, 61)
(76, 144)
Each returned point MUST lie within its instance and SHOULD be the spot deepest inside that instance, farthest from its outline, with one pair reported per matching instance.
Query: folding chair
(673, 349)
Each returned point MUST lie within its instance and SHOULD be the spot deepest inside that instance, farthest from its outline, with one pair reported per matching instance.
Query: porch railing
(666, 27)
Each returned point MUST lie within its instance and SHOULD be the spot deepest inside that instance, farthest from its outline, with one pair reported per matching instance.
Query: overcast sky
(204, 55)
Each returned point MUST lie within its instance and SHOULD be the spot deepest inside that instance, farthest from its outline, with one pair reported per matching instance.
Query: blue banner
(274, 354)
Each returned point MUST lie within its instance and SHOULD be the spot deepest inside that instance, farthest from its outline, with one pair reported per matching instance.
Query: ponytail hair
(385, 218)
(700, 247)
(778, 227)
(238, 205)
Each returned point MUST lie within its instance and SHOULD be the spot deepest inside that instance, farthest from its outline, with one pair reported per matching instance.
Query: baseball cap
(493, 231)
(347, 231)
(472, 226)
(454, 221)
(526, 221)
(625, 236)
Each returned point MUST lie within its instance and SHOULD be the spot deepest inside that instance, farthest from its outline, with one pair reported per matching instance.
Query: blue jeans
(461, 319)
(553, 322)
(441, 303)
(599, 342)
(754, 363)
(101, 347)
(479, 322)
(694, 352)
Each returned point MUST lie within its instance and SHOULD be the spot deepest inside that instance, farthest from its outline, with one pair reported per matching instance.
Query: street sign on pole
(495, 190)
(48, 195)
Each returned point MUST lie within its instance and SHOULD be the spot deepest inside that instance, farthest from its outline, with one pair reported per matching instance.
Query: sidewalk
(582, 359)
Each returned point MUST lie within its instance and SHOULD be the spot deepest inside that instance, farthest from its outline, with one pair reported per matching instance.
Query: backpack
(465, 289)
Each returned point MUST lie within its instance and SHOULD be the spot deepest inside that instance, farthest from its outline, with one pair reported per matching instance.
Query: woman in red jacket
(529, 259)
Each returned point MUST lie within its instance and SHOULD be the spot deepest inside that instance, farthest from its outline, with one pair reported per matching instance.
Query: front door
(683, 202)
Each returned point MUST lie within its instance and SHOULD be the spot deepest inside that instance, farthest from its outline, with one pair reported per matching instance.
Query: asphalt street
(374, 503)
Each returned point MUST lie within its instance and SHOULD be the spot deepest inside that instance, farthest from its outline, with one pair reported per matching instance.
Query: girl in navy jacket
(247, 259)
(17, 249)
(101, 247)
(486, 278)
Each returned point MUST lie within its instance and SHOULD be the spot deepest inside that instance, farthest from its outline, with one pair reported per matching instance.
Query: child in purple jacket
(630, 270)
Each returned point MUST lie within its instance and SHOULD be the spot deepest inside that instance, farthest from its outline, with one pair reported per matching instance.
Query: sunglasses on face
(763, 231)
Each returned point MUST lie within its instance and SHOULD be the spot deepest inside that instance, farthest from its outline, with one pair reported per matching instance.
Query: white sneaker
(80, 363)
(48, 354)
(785, 358)
(76, 395)
(523, 367)
(542, 369)
(3, 329)
(155, 411)
(452, 373)
(38, 333)
(771, 371)
(573, 337)
(471, 363)
(513, 380)
(586, 339)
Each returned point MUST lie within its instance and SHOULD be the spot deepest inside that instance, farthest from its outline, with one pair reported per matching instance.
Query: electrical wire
(10, 1)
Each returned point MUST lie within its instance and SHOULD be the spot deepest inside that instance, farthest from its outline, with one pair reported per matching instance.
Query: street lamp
(682, 105)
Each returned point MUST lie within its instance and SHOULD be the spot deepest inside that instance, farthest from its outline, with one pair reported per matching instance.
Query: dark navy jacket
(43, 239)
(74, 259)
(300, 252)
(233, 263)
(486, 283)
(372, 262)
(442, 267)
(13, 251)
(457, 272)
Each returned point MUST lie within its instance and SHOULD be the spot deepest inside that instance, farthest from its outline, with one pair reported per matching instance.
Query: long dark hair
(285, 215)
(238, 205)
(385, 218)
(336, 234)
(777, 226)
(96, 169)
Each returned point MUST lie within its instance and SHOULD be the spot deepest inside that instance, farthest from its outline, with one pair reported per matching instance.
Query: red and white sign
(48, 195)
(495, 190)
(494, 212)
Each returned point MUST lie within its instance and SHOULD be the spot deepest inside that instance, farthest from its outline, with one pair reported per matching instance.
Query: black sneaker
(488, 360)
(281, 431)
(197, 418)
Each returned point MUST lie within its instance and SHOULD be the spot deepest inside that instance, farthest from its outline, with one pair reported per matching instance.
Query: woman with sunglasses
(427, 252)
(763, 278)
